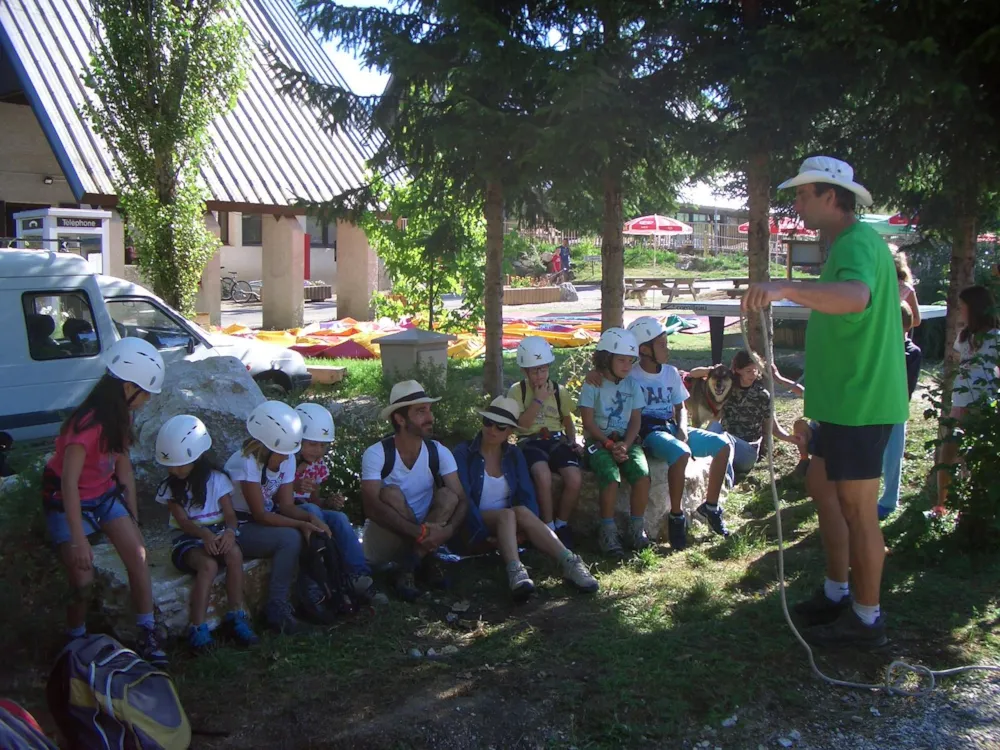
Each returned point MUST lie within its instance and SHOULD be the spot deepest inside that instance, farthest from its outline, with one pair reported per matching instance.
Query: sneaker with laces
(150, 647)
(200, 639)
(713, 518)
(565, 535)
(575, 570)
(405, 585)
(820, 609)
(677, 531)
(638, 538)
(238, 626)
(281, 618)
(609, 541)
(365, 589)
(848, 631)
(521, 585)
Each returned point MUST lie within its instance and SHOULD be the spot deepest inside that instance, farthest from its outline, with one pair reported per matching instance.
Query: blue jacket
(472, 468)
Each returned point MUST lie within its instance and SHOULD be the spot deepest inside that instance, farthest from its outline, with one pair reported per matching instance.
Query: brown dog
(707, 395)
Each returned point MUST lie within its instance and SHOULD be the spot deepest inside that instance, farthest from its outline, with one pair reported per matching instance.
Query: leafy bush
(975, 493)
(636, 257)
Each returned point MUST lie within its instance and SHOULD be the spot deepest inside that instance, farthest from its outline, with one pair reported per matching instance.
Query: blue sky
(362, 81)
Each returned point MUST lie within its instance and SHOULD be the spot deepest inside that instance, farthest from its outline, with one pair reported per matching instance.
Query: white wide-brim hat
(407, 393)
(831, 171)
(503, 410)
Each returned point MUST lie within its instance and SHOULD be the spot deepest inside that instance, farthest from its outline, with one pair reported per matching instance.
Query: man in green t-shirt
(857, 392)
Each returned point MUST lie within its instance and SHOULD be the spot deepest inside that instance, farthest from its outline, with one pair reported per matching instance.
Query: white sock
(867, 615)
(559, 524)
(551, 525)
(835, 590)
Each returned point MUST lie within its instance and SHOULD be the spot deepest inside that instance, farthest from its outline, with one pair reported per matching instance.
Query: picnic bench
(638, 286)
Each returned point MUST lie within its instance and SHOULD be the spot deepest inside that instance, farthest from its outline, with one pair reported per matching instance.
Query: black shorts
(850, 453)
(558, 454)
(184, 543)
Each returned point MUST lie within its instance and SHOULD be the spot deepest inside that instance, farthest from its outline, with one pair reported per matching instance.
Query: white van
(60, 316)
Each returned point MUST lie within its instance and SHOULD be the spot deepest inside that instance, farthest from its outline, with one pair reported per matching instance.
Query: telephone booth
(82, 231)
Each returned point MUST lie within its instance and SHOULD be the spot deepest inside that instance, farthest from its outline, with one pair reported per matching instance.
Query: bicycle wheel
(241, 291)
(227, 288)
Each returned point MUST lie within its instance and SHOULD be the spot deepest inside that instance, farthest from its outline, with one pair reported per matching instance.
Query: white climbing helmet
(618, 341)
(646, 328)
(317, 422)
(534, 351)
(136, 361)
(181, 440)
(278, 426)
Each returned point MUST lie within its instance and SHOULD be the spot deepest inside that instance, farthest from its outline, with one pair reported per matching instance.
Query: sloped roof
(267, 152)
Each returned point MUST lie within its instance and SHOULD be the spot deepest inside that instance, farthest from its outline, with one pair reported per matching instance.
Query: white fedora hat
(407, 393)
(503, 410)
(831, 171)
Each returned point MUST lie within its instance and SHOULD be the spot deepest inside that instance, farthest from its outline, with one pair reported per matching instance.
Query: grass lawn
(674, 642)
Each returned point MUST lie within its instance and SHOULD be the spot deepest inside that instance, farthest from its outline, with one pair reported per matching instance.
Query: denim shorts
(95, 513)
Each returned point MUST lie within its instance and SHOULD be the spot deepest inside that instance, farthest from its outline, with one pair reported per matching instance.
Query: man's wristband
(423, 533)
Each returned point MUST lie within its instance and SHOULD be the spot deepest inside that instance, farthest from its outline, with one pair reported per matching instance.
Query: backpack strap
(389, 448)
(434, 461)
(524, 393)
(556, 389)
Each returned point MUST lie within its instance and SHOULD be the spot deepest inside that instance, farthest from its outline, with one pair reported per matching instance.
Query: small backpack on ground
(433, 460)
(20, 731)
(103, 695)
(324, 586)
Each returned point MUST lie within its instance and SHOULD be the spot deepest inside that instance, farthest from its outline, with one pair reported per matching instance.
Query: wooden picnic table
(642, 284)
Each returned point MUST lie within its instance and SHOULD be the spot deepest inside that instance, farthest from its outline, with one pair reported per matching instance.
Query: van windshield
(143, 319)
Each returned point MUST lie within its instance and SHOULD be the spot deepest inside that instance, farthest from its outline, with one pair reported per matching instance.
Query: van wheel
(274, 386)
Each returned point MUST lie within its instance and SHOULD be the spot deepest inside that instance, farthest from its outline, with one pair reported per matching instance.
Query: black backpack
(325, 591)
(556, 388)
(433, 460)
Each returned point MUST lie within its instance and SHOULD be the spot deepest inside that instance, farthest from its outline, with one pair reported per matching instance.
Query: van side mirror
(190, 345)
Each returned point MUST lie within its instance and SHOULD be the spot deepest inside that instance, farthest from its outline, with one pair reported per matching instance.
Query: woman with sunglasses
(502, 502)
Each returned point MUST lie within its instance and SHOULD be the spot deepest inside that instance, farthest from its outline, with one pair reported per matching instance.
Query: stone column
(209, 299)
(283, 272)
(357, 273)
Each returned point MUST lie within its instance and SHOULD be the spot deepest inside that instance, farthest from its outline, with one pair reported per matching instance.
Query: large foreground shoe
(521, 585)
(577, 573)
(237, 626)
(638, 539)
(848, 631)
(609, 541)
(677, 531)
(713, 518)
(150, 647)
(200, 639)
(820, 610)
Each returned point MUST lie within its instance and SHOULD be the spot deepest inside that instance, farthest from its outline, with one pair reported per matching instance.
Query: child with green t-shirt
(612, 416)
(547, 435)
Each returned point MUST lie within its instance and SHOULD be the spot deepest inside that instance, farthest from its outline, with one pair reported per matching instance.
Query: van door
(143, 318)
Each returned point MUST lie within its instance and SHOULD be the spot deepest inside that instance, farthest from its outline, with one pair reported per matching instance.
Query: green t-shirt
(855, 365)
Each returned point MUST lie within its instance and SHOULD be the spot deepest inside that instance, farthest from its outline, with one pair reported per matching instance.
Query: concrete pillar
(116, 245)
(209, 300)
(283, 272)
(357, 273)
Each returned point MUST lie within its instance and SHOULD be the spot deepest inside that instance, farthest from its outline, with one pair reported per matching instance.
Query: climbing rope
(898, 670)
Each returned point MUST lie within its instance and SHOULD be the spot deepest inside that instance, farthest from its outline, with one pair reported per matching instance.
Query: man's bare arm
(837, 298)
(384, 515)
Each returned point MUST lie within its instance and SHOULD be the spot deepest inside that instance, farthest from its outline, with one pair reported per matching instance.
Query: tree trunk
(493, 368)
(759, 235)
(963, 260)
(612, 251)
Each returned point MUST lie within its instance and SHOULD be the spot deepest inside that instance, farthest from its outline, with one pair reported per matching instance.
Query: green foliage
(162, 73)
(440, 250)
(644, 256)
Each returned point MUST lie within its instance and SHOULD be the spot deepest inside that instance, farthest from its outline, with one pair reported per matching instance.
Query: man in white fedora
(411, 493)
(856, 391)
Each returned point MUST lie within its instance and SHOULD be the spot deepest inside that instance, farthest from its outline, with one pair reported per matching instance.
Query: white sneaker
(521, 585)
(575, 570)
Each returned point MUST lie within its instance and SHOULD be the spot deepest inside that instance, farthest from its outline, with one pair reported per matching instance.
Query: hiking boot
(677, 531)
(365, 589)
(848, 631)
(237, 624)
(713, 518)
(610, 543)
(565, 535)
(820, 609)
(150, 647)
(521, 585)
(200, 639)
(405, 586)
(281, 619)
(575, 571)
(638, 539)
(431, 573)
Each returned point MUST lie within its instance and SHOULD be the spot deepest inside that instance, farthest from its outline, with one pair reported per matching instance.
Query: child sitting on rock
(310, 472)
(612, 416)
(199, 498)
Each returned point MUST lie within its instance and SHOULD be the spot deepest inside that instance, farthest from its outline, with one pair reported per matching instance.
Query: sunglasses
(487, 422)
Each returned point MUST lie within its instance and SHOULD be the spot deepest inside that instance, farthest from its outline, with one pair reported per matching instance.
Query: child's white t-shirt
(246, 469)
(217, 487)
(663, 390)
(417, 483)
(977, 371)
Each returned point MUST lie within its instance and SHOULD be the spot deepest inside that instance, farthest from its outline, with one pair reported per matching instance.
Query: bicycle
(234, 289)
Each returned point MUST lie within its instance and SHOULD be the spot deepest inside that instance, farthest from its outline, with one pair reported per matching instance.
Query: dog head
(720, 382)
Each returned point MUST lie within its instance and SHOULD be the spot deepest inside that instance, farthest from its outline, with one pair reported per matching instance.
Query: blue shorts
(663, 445)
(95, 513)
(184, 543)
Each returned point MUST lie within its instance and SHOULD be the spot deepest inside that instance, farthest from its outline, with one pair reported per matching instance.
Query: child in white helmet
(199, 497)
(318, 434)
(88, 486)
(263, 473)
(548, 435)
(612, 416)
